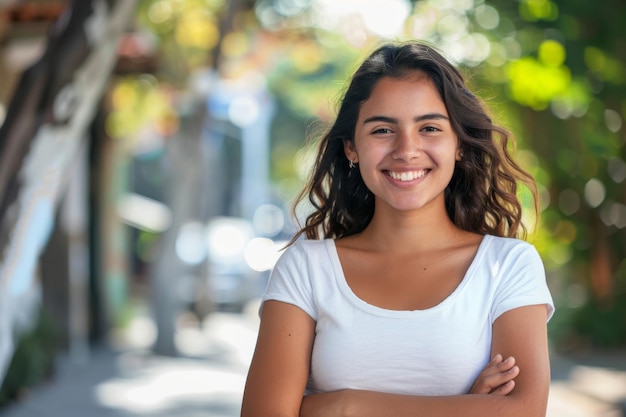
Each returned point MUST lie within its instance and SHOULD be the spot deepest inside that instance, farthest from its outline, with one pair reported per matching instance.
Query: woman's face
(404, 144)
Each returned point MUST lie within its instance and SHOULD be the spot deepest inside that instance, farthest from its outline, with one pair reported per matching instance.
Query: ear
(459, 154)
(350, 151)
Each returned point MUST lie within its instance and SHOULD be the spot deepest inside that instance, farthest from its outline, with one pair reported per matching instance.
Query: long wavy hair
(482, 194)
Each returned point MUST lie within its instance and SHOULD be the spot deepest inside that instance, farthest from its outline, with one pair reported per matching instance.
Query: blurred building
(56, 57)
(77, 206)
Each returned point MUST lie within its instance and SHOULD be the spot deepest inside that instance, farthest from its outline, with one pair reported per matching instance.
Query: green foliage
(534, 10)
(535, 84)
(556, 68)
(603, 325)
(566, 82)
(308, 85)
(33, 360)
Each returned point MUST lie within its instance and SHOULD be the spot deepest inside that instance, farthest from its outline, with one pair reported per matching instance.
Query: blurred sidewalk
(209, 380)
(590, 386)
(206, 381)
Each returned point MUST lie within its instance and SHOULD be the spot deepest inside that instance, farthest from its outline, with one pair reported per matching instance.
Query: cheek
(367, 168)
(369, 161)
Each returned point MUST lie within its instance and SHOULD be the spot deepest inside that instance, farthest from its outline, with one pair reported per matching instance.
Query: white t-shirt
(437, 351)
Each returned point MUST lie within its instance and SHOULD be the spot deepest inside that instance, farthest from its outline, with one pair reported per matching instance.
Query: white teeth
(407, 176)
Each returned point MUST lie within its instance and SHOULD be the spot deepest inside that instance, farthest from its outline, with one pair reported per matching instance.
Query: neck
(410, 231)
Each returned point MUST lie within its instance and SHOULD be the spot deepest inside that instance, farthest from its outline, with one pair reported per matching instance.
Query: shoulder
(302, 275)
(506, 247)
(304, 250)
(518, 275)
(311, 244)
(509, 257)
(507, 242)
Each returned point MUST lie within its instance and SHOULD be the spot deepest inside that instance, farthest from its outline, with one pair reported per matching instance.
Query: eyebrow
(393, 120)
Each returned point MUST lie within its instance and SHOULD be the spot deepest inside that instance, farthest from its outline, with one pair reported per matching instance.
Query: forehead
(414, 93)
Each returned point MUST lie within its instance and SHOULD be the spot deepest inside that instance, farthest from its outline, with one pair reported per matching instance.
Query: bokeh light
(595, 192)
(569, 202)
(616, 168)
(487, 16)
(613, 120)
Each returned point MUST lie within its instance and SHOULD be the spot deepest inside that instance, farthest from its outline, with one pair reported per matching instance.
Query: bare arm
(520, 333)
(280, 365)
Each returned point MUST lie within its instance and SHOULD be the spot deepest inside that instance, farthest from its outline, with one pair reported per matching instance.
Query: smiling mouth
(408, 175)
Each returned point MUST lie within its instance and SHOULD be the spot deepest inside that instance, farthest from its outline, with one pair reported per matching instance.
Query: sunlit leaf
(197, 30)
(551, 53)
(533, 10)
(534, 84)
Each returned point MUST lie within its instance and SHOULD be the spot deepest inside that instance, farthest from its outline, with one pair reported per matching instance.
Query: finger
(494, 368)
(491, 371)
(504, 389)
(496, 359)
(506, 364)
(490, 382)
(503, 377)
(480, 388)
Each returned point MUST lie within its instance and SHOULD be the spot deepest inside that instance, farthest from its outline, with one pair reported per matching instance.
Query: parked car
(231, 281)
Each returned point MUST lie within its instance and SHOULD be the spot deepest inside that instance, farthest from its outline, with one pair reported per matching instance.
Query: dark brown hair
(482, 194)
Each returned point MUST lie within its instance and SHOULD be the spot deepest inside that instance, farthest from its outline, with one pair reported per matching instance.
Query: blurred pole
(64, 266)
(246, 105)
(74, 220)
(255, 138)
(184, 197)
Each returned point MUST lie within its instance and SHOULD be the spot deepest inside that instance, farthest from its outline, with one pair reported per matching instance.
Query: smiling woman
(404, 143)
(412, 295)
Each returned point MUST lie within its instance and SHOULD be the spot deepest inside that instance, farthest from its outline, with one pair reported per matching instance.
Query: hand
(497, 378)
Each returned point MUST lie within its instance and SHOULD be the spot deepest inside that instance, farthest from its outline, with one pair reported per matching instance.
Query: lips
(407, 175)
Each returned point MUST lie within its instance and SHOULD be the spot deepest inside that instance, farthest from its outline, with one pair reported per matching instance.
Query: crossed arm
(280, 368)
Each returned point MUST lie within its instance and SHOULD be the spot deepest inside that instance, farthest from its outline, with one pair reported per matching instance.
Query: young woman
(412, 277)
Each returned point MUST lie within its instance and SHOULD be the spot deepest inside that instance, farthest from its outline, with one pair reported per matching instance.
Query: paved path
(209, 381)
(593, 386)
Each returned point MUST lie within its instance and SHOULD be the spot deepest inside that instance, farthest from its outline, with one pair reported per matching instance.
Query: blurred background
(150, 151)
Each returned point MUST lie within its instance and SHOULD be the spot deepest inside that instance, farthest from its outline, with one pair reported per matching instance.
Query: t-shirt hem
(524, 303)
(283, 299)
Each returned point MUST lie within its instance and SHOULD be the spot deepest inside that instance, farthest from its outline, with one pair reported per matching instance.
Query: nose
(407, 146)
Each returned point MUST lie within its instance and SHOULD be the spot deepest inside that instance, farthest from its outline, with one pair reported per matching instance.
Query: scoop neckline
(363, 305)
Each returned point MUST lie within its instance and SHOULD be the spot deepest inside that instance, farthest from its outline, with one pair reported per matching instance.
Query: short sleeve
(522, 282)
(290, 281)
